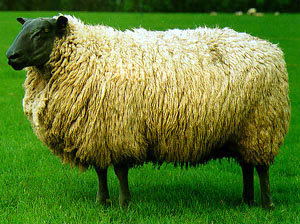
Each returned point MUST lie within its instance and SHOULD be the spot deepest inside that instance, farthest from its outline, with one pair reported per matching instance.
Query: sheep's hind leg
(103, 193)
(122, 174)
(265, 194)
(248, 183)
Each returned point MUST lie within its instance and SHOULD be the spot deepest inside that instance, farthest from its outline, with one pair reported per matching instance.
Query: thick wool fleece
(180, 96)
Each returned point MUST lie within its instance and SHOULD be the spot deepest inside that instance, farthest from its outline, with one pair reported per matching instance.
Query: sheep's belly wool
(180, 96)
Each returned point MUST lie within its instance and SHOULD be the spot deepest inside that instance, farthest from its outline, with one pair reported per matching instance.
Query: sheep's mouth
(17, 63)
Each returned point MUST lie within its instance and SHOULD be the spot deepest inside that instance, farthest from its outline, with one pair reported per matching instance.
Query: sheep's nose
(12, 55)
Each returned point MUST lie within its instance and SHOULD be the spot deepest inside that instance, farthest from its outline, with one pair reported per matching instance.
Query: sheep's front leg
(122, 174)
(102, 194)
(265, 194)
(248, 183)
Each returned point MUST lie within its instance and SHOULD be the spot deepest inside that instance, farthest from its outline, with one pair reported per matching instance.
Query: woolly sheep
(239, 13)
(101, 97)
(276, 13)
(251, 11)
(259, 14)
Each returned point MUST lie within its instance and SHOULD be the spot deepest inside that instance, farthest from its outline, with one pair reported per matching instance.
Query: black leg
(248, 183)
(265, 194)
(102, 194)
(122, 174)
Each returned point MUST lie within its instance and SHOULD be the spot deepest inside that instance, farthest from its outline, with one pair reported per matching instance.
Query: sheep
(259, 14)
(251, 11)
(239, 13)
(100, 97)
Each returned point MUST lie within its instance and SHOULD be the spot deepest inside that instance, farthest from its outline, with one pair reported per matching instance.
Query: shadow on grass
(187, 195)
(169, 196)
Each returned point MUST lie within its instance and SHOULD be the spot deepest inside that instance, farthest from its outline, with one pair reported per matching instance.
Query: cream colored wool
(179, 96)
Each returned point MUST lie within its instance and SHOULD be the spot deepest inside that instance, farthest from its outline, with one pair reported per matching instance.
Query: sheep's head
(33, 45)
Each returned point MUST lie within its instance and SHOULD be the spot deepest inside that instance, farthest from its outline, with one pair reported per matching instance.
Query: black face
(33, 45)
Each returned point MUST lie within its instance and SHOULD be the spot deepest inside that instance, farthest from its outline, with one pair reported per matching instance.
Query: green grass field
(36, 188)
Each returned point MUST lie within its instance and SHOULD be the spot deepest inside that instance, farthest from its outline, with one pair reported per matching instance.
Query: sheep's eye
(36, 35)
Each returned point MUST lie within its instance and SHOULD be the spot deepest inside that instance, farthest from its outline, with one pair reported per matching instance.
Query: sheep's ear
(22, 20)
(61, 25)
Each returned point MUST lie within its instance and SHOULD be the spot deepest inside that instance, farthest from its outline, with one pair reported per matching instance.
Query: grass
(36, 188)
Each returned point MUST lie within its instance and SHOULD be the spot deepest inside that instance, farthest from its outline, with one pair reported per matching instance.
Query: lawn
(36, 188)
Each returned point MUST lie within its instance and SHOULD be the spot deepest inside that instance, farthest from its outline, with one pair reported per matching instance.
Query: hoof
(124, 203)
(250, 203)
(269, 207)
(106, 202)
